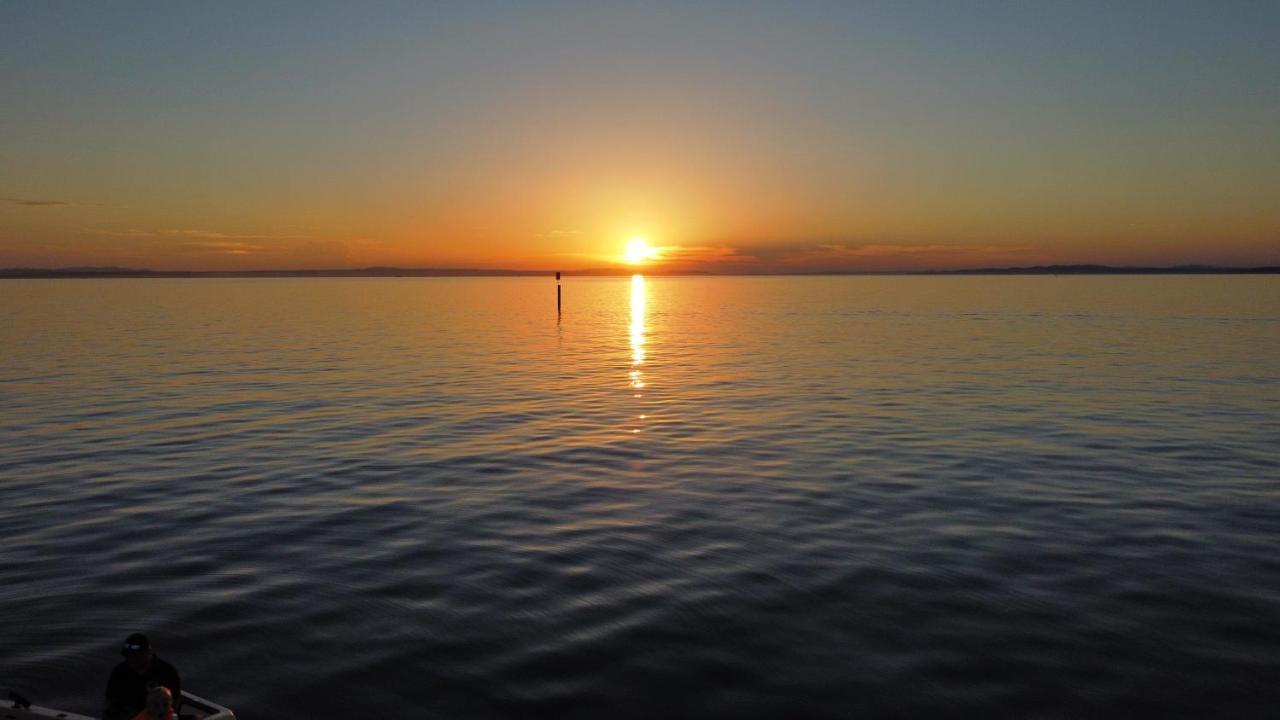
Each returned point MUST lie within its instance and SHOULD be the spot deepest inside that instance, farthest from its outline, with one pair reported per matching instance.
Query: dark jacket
(127, 690)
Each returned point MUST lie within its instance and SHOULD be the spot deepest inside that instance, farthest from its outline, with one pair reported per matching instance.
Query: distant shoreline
(383, 272)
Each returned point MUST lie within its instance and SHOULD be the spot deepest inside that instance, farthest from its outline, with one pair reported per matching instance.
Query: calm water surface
(747, 497)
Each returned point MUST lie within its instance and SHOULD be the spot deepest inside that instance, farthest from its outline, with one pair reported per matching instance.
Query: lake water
(690, 497)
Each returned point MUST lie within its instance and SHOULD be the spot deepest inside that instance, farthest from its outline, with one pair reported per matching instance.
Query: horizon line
(87, 272)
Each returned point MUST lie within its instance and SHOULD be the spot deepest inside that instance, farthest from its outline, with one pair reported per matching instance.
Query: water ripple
(831, 496)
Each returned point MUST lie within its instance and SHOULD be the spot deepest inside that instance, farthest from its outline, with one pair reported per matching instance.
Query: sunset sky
(735, 136)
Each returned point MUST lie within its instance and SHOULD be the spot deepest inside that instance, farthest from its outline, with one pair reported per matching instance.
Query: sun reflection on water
(637, 331)
(636, 375)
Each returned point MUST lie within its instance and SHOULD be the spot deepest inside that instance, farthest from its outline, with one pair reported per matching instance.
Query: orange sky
(735, 137)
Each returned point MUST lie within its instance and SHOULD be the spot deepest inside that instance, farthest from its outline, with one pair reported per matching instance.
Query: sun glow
(638, 251)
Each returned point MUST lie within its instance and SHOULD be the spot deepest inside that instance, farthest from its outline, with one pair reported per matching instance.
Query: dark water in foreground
(769, 497)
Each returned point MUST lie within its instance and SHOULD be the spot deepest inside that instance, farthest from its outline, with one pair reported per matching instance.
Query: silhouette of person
(140, 672)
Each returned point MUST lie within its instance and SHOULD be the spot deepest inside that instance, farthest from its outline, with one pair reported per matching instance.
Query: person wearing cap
(140, 672)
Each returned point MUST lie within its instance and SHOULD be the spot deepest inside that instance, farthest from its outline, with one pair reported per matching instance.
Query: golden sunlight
(638, 251)
(637, 332)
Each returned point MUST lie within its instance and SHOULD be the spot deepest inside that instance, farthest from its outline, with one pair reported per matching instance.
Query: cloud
(37, 203)
(906, 256)
(230, 248)
(208, 244)
(214, 235)
(882, 250)
(709, 255)
(558, 234)
(195, 234)
(828, 256)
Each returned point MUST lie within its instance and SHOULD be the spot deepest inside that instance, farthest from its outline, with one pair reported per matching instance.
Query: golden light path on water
(839, 473)
(637, 338)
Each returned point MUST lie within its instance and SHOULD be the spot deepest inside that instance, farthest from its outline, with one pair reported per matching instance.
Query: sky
(733, 137)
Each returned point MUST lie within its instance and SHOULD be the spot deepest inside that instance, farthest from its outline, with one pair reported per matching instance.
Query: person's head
(137, 652)
(159, 701)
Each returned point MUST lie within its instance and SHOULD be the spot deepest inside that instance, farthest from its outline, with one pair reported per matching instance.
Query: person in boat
(140, 672)
(159, 705)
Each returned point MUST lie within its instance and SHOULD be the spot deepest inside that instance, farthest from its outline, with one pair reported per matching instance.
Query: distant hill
(1108, 270)
(120, 272)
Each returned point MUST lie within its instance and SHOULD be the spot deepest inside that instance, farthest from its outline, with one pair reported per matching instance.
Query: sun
(638, 251)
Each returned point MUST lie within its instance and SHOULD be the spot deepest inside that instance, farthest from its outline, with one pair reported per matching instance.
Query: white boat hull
(194, 707)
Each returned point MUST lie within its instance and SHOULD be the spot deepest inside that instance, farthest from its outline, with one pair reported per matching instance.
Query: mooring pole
(557, 293)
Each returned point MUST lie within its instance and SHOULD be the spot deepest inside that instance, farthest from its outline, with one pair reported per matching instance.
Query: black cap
(135, 644)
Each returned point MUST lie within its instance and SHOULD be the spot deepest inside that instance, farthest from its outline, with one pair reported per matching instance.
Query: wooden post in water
(557, 293)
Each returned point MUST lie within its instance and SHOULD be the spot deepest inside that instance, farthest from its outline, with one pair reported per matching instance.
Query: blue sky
(529, 133)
